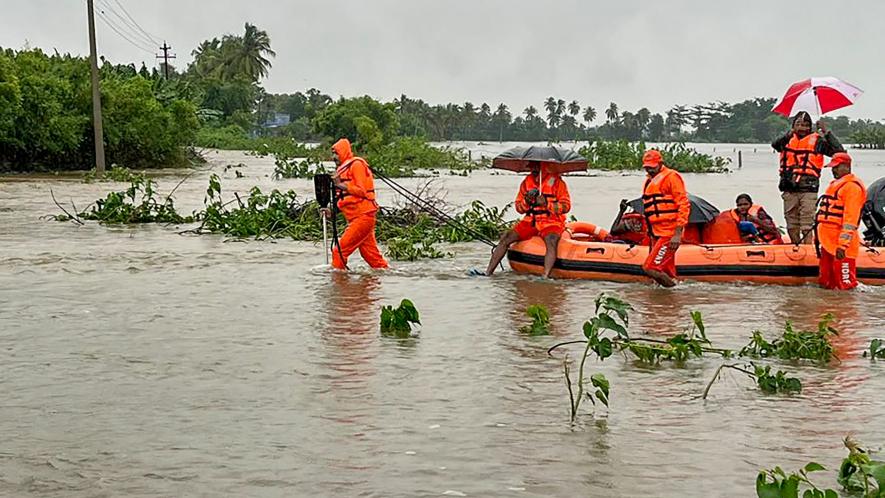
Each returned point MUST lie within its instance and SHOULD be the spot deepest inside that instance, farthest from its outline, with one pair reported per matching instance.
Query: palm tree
(642, 117)
(502, 116)
(560, 108)
(552, 116)
(530, 112)
(574, 108)
(247, 55)
(589, 115)
(207, 57)
(612, 113)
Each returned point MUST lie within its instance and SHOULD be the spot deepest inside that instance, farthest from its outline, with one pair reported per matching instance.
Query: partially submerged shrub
(398, 321)
(540, 320)
(623, 155)
(796, 345)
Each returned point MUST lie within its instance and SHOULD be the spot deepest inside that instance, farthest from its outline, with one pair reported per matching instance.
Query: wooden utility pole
(166, 48)
(96, 94)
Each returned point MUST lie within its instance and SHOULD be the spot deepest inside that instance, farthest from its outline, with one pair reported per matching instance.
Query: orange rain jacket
(559, 201)
(838, 215)
(665, 203)
(359, 198)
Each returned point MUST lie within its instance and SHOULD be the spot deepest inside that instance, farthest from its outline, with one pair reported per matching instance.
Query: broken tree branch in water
(71, 217)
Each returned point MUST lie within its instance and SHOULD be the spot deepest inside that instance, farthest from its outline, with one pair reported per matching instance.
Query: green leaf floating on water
(398, 321)
(540, 320)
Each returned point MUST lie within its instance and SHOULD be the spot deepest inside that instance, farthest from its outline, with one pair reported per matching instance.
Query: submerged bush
(405, 156)
(137, 204)
(398, 321)
(623, 155)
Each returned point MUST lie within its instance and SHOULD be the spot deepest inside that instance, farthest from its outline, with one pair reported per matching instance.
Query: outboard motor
(873, 214)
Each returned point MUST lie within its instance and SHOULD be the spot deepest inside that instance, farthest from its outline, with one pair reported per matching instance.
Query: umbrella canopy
(701, 210)
(556, 159)
(817, 96)
(873, 214)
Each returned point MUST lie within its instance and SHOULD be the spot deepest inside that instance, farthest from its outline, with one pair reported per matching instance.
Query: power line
(150, 36)
(125, 25)
(111, 25)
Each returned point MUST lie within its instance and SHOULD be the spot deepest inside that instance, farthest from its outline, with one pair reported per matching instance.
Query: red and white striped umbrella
(817, 96)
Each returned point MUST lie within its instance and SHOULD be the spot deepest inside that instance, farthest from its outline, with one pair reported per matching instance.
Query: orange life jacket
(354, 172)
(659, 203)
(838, 216)
(766, 237)
(556, 193)
(799, 159)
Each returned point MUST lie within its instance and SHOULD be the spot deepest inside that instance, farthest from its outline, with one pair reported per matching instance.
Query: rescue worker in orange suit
(355, 194)
(836, 225)
(762, 227)
(666, 208)
(801, 159)
(544, 200)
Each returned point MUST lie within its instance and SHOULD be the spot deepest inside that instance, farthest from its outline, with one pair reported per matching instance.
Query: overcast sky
(635, 53)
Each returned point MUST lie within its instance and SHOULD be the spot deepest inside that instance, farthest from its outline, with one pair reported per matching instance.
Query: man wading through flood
(355, 194)
(836, 226)
(666, 207)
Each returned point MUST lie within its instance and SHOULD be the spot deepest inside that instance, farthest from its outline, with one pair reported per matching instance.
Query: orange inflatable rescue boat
(582, 255)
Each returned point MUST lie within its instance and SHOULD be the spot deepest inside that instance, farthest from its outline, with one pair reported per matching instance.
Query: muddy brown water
(138, 362)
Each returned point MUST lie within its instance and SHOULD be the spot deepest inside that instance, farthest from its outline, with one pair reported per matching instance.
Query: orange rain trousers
(359, 234)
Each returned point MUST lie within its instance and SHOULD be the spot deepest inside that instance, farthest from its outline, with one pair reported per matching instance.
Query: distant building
(277, 120)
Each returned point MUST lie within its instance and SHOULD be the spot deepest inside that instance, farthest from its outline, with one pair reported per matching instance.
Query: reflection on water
(137, 362)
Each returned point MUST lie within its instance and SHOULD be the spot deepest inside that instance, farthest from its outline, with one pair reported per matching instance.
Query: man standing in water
(801, 159)
(544, 200)
(355, 194)
(836, 225)
(666, 207)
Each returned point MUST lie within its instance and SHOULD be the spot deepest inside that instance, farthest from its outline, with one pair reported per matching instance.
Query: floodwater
(135, 361)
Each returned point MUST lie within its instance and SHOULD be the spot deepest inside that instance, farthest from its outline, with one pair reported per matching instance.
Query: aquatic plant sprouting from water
(796, 345)
(777, 383)
(398, 321)
(540, 320)
(137, 204)
(114, 174)
(876, 351)
(612, 316)
(775, 483)
(692, 343)
(859, 473)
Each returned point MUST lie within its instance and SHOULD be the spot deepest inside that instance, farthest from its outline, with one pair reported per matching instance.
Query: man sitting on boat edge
(544, 200)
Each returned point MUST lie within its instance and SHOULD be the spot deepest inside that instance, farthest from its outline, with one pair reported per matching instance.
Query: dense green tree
(339, 119)
(46, 115)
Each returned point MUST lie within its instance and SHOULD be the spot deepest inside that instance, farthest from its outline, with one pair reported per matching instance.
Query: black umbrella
(556, 159)
(873, 214)
(701, 210)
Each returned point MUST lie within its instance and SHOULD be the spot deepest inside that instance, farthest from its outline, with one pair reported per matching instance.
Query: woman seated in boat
(631, 228)
(747, 223)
